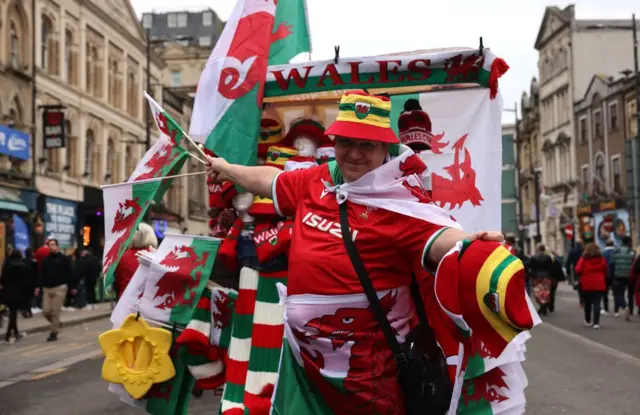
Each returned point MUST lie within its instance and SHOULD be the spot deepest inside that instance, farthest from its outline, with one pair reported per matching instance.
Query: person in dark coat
(541, 269)
(14, 282)
(31, 283)
(89, 271)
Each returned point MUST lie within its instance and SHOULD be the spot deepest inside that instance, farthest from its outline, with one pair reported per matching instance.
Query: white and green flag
(178, 275)
(124, 207)
(228, 105)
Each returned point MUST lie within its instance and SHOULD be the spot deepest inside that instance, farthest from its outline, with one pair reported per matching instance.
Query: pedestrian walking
(609, 249)
(14, 282)
(56, 277)
(88, 268)
(592, 271)
(620, 268)
(572, 260)
(31, 283)
(540, 266)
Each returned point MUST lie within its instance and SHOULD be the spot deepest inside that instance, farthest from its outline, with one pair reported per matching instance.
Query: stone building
(528, 147)
(605, 118)
(570, 51)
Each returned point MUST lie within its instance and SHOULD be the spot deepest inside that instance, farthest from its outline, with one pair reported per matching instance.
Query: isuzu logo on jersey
(325, 225)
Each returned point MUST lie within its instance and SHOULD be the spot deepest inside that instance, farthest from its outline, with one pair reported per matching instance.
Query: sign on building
(53, 127)
(60, 221)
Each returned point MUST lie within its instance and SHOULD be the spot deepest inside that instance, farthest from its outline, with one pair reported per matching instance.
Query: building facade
(509, 182)
(605, 119)
(17, 195)
(570, 52)
(529, 150)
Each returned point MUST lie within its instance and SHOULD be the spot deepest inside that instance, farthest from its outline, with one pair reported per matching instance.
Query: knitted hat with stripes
(309, 127)
(270, 134)
(277, 156)
(363, 116)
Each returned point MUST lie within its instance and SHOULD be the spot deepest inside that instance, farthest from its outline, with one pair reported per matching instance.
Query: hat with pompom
(414, 126)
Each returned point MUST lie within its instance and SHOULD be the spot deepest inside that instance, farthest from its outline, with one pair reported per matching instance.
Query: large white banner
(466, 151)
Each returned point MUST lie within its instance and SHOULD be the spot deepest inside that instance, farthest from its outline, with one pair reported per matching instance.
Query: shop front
(604, 220)
(91, 220)
(60, 221)
(18, 219)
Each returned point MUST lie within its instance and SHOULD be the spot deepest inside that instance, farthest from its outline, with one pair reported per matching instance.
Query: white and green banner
(124, 207)
(466, 153)
(228, 104)
(177, 276)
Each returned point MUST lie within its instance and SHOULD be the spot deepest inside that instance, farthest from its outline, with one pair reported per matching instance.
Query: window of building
(68, 46)
(207, 19)
(616, 173)
(70, 164)
(44, 39)
(182, 20)
(585, 179)
(583, 129)
(632, 121)
(147, 21)
(88, 155)
(111, 161)
(176, 78)
(15, 46)
(172, 20)
(614, 120)
(130, 161)
(599, 166)
(205, 41)
(597, 123)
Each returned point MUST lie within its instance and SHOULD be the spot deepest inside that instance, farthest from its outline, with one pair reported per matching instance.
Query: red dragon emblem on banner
(222, 312)
(461, 187)
(249, 51)
(124, 220)
(178, 283)
(461, 69)
(366, 394)
(158, 161)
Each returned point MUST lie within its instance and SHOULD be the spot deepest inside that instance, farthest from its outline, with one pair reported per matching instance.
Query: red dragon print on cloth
(461, 69)
(461, 187)
(412, 165)
(163, 126)
(123, 222)
(423, 195)
(223, 313)
(249, 52)
(437, 145)
(485, 387)
(158, 161)
(370, 383)
(178, 281)
(156, 392)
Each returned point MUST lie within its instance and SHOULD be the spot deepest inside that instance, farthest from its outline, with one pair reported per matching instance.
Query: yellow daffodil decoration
(137, 356)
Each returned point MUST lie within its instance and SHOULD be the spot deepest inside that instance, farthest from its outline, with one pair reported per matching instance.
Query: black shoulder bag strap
(363, 276)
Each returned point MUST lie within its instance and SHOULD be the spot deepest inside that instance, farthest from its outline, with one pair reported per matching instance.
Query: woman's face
(357, 157)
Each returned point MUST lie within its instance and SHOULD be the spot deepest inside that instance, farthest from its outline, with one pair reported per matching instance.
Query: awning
(10, 200)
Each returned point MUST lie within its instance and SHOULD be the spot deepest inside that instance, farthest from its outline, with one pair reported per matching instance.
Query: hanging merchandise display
(137, 356)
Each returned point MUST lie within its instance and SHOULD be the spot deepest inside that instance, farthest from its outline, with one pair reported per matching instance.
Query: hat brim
(362, 132)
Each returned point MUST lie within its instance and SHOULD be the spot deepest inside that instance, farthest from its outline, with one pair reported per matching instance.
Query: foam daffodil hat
(365, 117)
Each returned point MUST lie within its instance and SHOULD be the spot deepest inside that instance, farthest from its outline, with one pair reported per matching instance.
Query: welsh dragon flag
(178, 275)
(465, 161)
(124, 207)
(167, 155)
(228, 104)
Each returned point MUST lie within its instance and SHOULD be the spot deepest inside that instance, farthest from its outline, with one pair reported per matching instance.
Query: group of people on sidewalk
(47, 280)
(593, 272)
(599, 272)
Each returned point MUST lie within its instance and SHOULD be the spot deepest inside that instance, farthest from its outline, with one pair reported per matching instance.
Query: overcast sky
(373, 27)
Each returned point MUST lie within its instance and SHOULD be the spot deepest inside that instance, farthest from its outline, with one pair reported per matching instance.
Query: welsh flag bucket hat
(363, 116)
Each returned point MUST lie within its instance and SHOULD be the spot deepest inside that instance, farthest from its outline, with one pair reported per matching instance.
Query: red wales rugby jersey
(389, 243)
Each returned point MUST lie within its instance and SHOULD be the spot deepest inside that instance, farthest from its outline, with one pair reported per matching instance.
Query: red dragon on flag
(461, 187)
(125, 219)
(180, 279)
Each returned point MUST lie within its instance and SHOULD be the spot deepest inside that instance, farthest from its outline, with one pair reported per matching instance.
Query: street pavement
(571, 369)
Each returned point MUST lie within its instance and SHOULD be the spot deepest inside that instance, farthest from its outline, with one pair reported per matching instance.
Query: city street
(572, 370)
